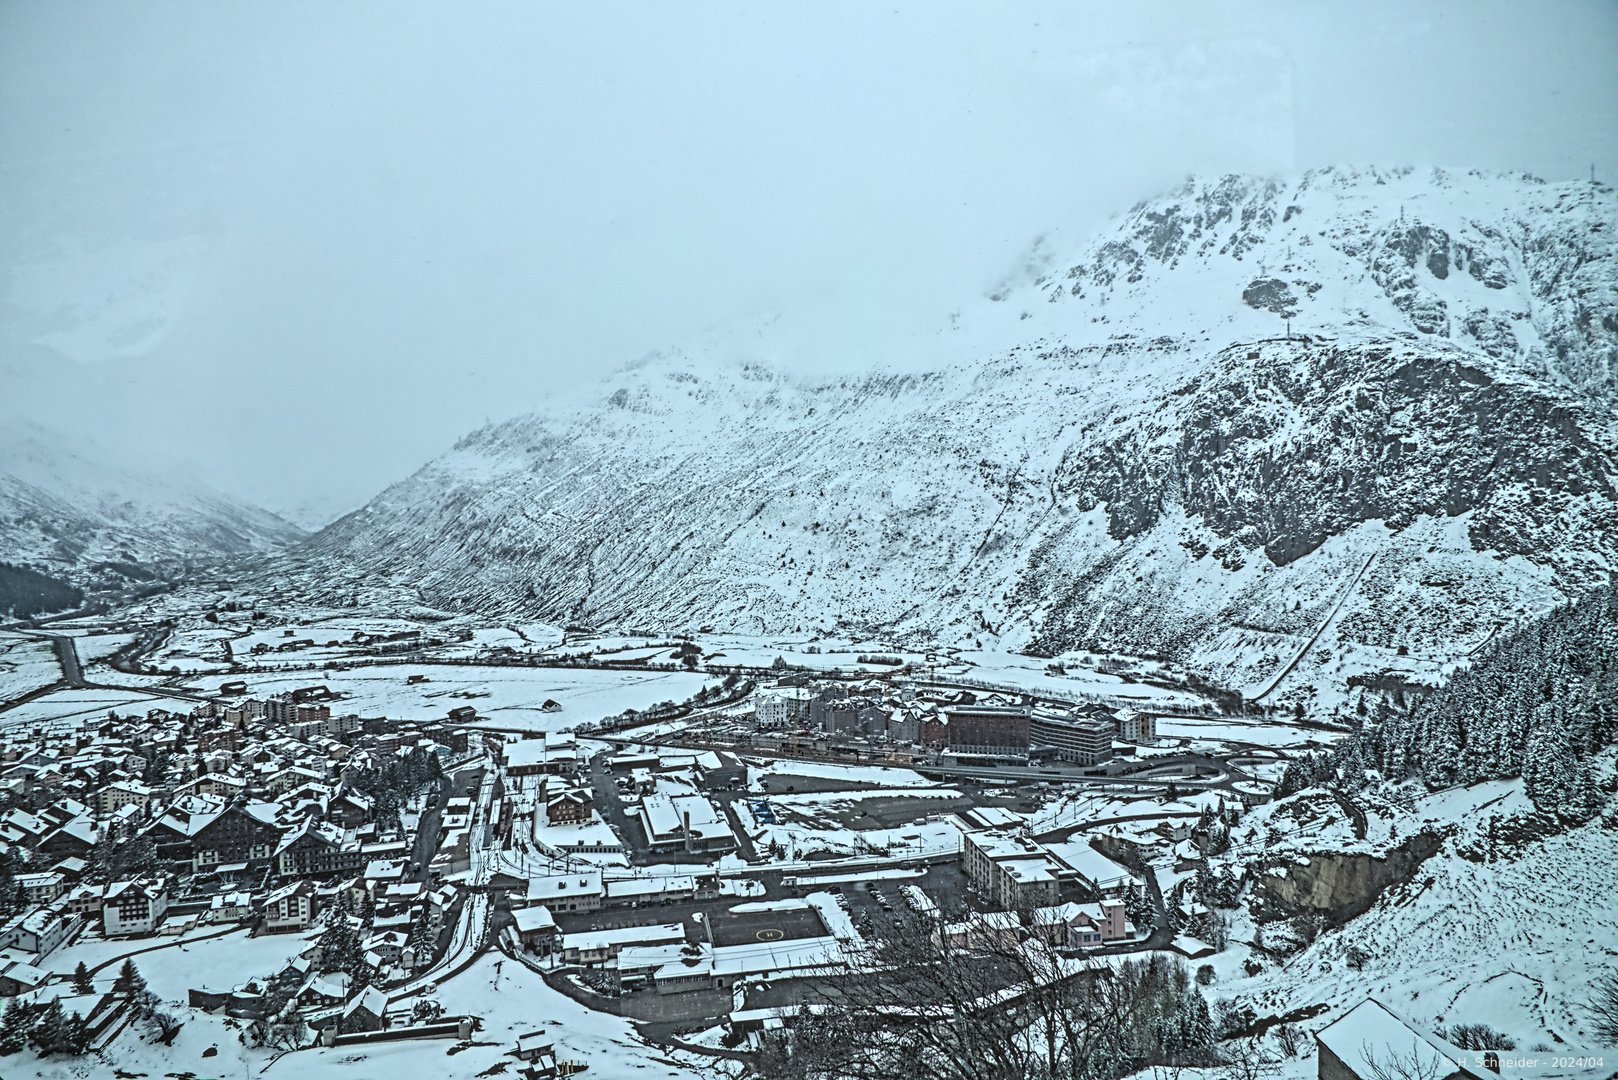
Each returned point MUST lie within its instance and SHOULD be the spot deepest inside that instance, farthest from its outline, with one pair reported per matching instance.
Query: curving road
(67, 656)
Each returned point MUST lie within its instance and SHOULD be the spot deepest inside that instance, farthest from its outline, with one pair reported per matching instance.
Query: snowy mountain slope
(67, 513)
(1130, 453)
(1514, 941)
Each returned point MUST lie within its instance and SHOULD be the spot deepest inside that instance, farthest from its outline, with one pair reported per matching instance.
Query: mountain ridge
(1184, 442)
(78, 517)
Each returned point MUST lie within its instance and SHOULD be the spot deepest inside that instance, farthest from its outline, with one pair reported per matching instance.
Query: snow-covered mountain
(1372, 411)
(68, 512)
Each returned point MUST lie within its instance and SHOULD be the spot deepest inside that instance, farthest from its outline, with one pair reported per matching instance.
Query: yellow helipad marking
(770, 935)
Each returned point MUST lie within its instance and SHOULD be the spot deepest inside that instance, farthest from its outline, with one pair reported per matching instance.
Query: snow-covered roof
(564, 886)
(530, 919)
(1370, 1035)
(371, 999)
(589, 940)
(757, 958)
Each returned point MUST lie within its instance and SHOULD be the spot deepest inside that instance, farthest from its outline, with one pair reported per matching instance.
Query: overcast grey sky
(297, 249)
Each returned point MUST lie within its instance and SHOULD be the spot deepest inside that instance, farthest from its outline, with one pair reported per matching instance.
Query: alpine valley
(1345, 425)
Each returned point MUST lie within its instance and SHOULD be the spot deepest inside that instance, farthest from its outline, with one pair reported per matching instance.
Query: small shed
(534, 1046)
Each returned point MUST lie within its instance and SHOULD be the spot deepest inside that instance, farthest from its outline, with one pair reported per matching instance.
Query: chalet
(19, 977)
(388, 946)
(21, 827)
(291, 907)
(85, 900)
(41, 888)
(317, 849)
(134, 907)
(1081, 926)
(227, 907)
(534, 1048)
(172, 833)
(323, 991)
(125, 822)
(351, 809)
(567, 806)
(76, 838)
(1111, 922)
(38, 931)
(235, 836)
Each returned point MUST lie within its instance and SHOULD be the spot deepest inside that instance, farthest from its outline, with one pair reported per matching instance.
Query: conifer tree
(50, 1030)
(421, 940)
(14, 1024)
(1538, 702)
(1195, 1025)
(1137, 906)
(9, 869)
(82, 983)
(76, 1036)
(129, 980)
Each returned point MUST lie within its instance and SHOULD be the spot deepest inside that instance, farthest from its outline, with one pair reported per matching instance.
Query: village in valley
(324, 837)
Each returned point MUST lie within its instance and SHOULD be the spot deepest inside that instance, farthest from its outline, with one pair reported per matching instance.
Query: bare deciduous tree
(1245, 1059)
(1604, 1008)
(1396, 1066)
(984, 999)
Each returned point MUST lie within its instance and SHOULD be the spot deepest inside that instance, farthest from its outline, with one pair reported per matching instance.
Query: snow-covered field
(1079, 681)
(503, 696)
(26, 663)
(875, 775)
(93, 646)
(73, 707)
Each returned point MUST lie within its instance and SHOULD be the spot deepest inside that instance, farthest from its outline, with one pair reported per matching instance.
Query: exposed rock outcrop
(1337, 886)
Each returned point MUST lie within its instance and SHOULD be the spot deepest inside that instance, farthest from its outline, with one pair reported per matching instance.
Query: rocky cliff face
(1337, 886)
(1370, 410)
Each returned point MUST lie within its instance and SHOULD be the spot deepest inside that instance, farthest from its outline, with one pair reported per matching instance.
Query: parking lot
(864, 810)
(748, 928)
